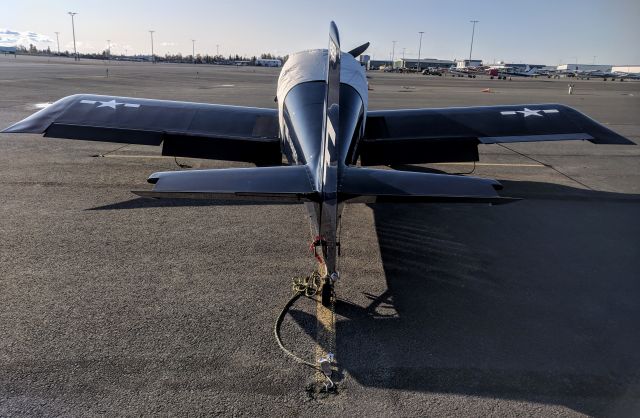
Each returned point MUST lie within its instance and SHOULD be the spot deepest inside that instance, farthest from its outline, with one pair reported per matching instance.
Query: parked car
(432, 71)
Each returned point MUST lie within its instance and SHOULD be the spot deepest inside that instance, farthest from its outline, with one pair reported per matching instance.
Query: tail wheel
(327, 293)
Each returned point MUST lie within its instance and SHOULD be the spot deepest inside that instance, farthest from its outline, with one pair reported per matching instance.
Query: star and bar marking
(113, 104)
(528, 112)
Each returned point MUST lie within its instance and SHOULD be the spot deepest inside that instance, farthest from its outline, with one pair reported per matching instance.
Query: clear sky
(530, 31)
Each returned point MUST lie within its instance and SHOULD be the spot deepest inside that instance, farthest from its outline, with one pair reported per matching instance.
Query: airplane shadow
(532, 301)
(143, 202)
(535, 301)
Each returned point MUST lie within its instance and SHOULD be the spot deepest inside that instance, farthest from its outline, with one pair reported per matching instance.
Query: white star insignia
(112, 104)
(528, 112)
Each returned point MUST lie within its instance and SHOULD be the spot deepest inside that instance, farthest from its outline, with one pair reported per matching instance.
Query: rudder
(331, 110)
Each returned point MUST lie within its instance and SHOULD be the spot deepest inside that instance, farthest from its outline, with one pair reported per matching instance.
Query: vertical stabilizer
(328, 213)
(331, 110)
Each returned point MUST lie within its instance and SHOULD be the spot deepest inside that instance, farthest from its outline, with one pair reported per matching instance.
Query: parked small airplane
(470, 72)
(509, 71)
(589, 74)
(323, 128)
(625, 75)
(607, 75)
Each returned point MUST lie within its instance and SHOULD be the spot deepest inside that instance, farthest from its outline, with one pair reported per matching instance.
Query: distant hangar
(408, 63)
(633, 69)
(584, 67)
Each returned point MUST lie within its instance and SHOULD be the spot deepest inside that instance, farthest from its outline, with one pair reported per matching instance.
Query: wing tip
(18, 128)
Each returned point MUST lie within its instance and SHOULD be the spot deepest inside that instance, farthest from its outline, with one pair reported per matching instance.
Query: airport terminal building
(583, 67)
(8, 50)
(468, 63)
(626, 68)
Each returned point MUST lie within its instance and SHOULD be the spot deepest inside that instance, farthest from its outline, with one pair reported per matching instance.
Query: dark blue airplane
(324, 130)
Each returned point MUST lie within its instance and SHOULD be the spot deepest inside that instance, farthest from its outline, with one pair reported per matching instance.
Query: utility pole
(473, 32)
(58, 40)
(393, 55)
(193, 50)
(73, 28)
(419, 50)
(153, 58)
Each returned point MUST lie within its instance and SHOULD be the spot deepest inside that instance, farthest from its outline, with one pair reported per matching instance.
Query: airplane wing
(453, 134)
(184, 129)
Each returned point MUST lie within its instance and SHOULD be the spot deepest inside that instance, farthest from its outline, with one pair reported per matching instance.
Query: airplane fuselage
(320, 127)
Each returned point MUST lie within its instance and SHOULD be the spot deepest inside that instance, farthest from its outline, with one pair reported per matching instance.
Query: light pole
(473, 32)
(393, 55)
(419, 50)
(153, 58)
(576, 65)
(108, 49)
(217, 50)
(193, 50)
(58, 41)
(73, 28)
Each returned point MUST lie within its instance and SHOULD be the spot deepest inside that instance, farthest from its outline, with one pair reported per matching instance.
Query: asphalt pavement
(116, 305)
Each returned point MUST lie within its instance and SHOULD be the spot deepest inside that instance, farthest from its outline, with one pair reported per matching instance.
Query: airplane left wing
(184, 129)
(453, 134)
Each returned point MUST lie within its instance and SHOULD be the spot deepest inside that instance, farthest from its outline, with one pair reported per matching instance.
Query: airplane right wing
(184, 129)
(416, 136)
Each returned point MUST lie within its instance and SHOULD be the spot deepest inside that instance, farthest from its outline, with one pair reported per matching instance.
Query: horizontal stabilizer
(284, 183)
(365, 185)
